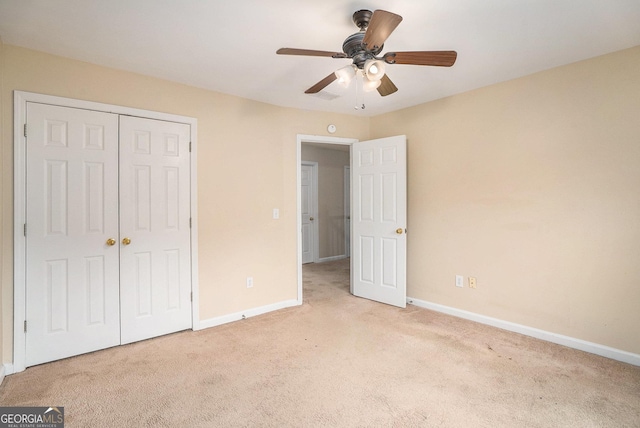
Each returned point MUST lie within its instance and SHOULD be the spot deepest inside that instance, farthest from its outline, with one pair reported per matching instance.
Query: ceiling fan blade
(437, 58)
(310, 52)
(321, 84)
(380, 27)
(386, 87)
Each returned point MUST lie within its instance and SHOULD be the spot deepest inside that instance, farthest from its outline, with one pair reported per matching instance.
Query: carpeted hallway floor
(336, 361)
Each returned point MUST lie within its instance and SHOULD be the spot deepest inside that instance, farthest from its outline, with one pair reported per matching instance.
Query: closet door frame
(21, 98)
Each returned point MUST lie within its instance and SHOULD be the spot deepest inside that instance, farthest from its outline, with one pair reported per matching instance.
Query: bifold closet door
(107, 230)
(155, 275)
(72, 256)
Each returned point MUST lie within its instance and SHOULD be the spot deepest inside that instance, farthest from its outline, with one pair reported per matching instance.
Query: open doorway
(378, 196)
(323, 201)
(329, 233)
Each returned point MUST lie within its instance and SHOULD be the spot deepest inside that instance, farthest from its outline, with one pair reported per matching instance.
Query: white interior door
(379, 244)
(155, 283)
(309, 198)
(72, 297)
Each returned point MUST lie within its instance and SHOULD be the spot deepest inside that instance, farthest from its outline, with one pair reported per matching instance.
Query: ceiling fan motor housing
(355, 50)
(353, 46)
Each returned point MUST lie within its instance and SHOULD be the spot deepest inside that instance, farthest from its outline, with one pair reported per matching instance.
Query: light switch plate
(459, 281)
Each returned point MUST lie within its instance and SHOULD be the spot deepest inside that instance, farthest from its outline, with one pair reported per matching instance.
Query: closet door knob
(111, 242)
(126, 241)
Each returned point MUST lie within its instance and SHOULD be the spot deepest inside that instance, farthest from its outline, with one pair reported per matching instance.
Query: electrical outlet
(472, 282)
(276, 213)
(249, 281)
(459, 281)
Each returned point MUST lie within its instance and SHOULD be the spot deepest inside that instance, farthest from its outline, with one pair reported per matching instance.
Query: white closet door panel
(72, 201)
(155, 272)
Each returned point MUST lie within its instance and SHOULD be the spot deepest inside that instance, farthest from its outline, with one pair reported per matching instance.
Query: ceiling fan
(363, 48)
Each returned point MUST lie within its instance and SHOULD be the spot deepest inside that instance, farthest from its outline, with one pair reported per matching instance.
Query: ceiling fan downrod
(362, 18)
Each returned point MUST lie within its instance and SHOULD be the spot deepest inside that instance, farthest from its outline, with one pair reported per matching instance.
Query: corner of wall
(2, 150)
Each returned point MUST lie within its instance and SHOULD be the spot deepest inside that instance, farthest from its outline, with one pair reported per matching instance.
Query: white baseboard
(224, 319)
(571, 342)
(5, 369)
(331, 259)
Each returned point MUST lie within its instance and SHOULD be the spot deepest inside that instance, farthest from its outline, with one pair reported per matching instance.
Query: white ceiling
(229, 45)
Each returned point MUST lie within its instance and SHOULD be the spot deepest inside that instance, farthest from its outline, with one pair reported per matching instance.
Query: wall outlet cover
(472, 282)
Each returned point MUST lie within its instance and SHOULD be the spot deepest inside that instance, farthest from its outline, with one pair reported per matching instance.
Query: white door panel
(72, 274)
(378, 256)
(154, 215)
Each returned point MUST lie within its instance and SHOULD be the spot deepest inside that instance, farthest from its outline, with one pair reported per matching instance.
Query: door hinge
(192, 296)
(190, 223)
(25, 326)
(24, 229)
(25, 129)
(189, 146)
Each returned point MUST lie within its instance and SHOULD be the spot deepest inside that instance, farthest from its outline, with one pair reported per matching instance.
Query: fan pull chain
(359, 84)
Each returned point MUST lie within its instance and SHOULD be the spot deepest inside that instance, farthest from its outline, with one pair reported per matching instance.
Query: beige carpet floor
(336, 361)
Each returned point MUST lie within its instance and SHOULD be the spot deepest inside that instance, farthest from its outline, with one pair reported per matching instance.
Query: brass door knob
(126, 241)
(310, 218)
(111, 242)
(399, 231)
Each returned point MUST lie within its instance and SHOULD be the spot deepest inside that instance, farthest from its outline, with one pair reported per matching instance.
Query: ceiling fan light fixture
(345, 75)
(374, 69)
(370, 85)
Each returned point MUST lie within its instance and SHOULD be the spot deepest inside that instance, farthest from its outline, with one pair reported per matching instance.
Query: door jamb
(347, 213)
(315, 251)
(301, 138)
(19, 204)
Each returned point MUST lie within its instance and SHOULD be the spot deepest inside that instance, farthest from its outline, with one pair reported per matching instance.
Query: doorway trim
(302, 138)
(347, 208)
(20, 101)
(315, 250)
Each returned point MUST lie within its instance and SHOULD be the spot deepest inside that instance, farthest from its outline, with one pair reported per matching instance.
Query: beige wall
(530, 185)
(533, 187)
(246, 167)
(331, 163)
